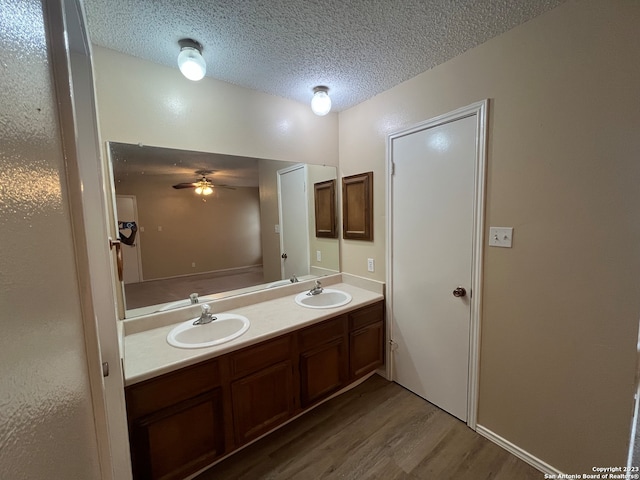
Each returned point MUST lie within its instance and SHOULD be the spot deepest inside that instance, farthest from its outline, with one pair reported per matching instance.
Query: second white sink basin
(225, 328)
(329, 298)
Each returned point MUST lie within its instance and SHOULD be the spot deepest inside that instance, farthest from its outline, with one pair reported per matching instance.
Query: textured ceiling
(133, 162)
(358, 48)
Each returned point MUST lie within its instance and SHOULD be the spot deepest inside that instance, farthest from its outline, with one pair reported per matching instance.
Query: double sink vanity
(192, 404)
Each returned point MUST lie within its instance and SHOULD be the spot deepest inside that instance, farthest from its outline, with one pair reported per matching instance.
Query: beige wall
(329, 248)
(140, 101)
(180, 228)
(46, 418)
(561, 308)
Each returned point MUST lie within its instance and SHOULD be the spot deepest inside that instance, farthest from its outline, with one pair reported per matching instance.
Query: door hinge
(393, 344)
(393, 168)
(105, 369)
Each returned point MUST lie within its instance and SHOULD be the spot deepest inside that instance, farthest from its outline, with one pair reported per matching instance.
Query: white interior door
(294, 223)
(433, 200)
(132, 267)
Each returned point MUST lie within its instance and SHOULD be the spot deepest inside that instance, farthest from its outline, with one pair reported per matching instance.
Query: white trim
(75, 89)
(478, 109)
(518, 452)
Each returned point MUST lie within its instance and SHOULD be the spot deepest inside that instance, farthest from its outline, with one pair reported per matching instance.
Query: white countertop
(148, 354)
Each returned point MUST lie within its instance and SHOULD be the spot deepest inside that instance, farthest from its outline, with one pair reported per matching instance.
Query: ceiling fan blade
(184, 185)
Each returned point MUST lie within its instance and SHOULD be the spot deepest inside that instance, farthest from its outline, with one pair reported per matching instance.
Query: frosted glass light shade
(191, 63)
(321, 102)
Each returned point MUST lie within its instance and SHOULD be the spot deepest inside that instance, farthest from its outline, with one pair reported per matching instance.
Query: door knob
(284, 255)
(459, 292)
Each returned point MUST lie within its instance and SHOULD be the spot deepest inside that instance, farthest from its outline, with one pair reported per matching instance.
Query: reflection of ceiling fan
(204, 186)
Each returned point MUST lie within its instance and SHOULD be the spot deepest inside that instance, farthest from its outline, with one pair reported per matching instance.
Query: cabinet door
(322, 371)
(366, 349)
(262, 400)
(177, 440)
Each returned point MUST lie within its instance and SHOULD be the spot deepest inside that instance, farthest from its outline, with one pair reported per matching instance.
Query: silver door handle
(459, 292)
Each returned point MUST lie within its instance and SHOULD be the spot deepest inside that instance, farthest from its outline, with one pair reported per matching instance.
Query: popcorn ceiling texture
(46, 421)
(358, 48)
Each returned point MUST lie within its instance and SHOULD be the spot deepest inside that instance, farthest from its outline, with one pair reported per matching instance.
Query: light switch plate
(318, 256)
(500, 237)
(371, 266)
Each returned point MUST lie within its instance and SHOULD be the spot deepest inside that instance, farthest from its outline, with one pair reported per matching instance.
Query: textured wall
(561, 308)
(46, 421)
(140, 101)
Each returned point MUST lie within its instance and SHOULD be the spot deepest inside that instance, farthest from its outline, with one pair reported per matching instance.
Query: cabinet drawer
(322, 333)
(259, 356)
(158, 393)
(366, 316)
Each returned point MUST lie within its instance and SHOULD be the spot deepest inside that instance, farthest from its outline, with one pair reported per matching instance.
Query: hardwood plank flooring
(378, 430)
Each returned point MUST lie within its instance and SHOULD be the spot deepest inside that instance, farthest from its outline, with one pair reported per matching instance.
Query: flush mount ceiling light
(190, 60)
(321, 103)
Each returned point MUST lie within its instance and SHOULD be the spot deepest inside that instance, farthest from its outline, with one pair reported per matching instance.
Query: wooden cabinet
(323, 360)
(366, 340)
(176, 422)
(263, 396)
(185, 420)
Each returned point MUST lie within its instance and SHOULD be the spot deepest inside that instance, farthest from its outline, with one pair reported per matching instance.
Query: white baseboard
(518, 452)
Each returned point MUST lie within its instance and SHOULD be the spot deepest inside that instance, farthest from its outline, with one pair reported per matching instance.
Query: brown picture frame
(324, 194)
(357, 206)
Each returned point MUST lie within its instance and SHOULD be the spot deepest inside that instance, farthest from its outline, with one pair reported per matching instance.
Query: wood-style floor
(378, 430)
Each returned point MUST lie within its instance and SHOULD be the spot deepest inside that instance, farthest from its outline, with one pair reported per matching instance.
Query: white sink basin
(225, 328)
(329, 298)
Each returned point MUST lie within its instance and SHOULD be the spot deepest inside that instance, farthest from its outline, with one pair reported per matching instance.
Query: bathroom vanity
(188, 408)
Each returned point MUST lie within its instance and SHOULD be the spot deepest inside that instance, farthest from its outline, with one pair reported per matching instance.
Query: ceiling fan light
(207, 190)
(190, 61)
(199, 190)
(321, 102)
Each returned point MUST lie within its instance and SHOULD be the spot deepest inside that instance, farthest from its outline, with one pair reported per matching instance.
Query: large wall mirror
(213, 224)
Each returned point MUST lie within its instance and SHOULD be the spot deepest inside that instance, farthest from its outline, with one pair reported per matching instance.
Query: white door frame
(280, 216)
(478, 109)
(73, 78)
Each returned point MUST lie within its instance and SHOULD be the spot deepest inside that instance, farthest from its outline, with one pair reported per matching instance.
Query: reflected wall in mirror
(205, 223)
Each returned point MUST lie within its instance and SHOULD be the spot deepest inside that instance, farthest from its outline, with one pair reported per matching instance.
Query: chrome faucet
(194, 298)
(205, 317)
(316, 290)
(294, 279)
